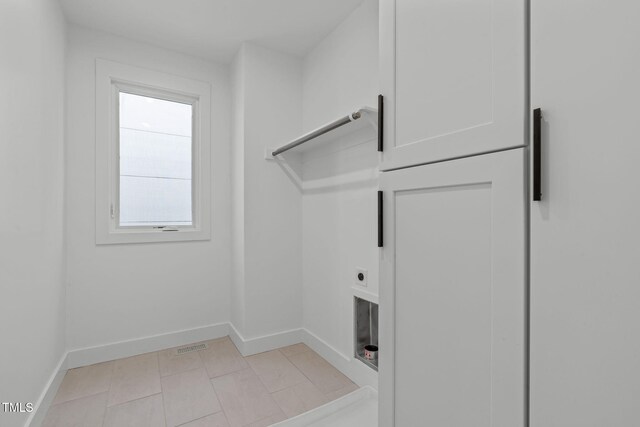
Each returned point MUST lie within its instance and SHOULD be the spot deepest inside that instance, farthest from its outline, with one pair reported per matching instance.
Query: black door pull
(537, 155)
(380, 123)
(380, 242)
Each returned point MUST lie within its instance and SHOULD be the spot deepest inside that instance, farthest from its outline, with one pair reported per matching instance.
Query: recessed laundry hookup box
(366, 332)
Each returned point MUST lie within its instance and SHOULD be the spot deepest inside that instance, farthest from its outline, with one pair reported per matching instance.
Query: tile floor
(214, 387)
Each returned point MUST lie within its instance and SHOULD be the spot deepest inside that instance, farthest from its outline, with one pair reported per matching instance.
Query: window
(152, 156)
(155, 148)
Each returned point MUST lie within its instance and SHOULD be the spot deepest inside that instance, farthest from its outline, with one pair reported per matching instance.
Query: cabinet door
(453, 76)
(452, 294)
(585, 233)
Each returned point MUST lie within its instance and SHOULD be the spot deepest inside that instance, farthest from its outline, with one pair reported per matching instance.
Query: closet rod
(321, 131)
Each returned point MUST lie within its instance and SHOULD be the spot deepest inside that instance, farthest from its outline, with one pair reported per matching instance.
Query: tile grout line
(277, 391)
(204, 416)
(311, 350)
(213, 389)
(113, 368)
(299, 370)
(112, 363)
(309, 379)
(228, 373)
(305, 375)
(254, 371)
(265, 386)
(164, 406)
(137, 398)
(182, 372)
(81, 397)
(203, 367)
(221, 407)
(294, 367)
(133, 400)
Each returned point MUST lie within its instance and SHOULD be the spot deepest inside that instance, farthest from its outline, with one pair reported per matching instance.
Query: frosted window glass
(155, 162)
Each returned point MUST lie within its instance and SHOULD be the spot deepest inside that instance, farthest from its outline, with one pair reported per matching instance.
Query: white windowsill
(151, 236)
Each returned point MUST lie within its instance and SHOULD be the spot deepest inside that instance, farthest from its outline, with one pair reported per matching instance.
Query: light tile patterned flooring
(215, 387)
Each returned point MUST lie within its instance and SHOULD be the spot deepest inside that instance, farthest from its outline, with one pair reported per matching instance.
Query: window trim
(113, 78)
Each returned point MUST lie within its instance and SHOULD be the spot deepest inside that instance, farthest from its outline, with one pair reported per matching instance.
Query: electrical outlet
(361, 277)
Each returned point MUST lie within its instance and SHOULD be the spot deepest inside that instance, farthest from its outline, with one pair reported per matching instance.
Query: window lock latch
(165, 228)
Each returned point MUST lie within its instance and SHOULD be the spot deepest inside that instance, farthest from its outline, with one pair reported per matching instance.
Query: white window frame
(113, 78)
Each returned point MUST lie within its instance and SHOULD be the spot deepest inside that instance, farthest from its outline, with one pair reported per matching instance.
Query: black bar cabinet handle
(380, 219)
(380, 122)
(537, 155)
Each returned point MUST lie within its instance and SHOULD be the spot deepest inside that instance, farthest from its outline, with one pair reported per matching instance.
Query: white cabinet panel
(585, 233)
(444, 299)
(453, 77)
(453, 300)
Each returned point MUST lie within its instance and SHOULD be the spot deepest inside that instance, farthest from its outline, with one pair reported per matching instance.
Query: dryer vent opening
(366, 332)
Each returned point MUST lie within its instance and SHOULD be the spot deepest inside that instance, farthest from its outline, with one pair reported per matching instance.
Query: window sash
(115, 200)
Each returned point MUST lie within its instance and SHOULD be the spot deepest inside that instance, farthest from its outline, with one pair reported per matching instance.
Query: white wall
(341, 72)
(32, 304)
(121, 292)
(339, 202)
(269, 287)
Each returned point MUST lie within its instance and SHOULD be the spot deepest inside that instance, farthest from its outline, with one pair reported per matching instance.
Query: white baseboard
(357, 371)
(249, 346)
(118, 350)
(46, 397)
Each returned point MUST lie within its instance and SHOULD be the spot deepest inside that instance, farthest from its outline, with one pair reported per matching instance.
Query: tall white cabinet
(585, 251)
(453, 290)
(453, 295)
